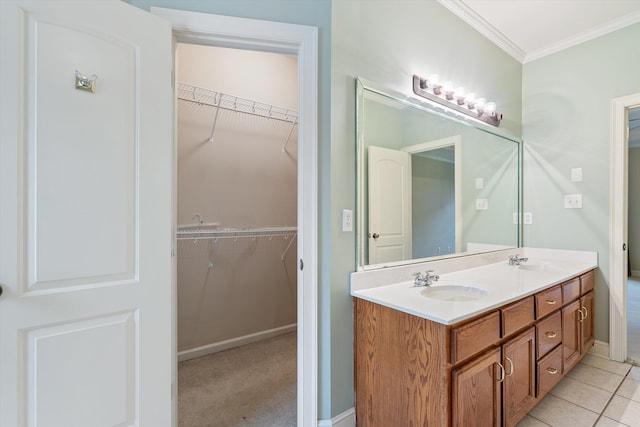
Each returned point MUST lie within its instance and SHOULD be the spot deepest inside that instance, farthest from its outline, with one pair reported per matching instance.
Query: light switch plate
(479, 183)
(576, 174)
(347, 220)
(528, 218)
(573, 201)
(482, 204)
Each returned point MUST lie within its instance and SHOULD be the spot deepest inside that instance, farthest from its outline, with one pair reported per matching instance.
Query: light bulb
(470, 100)
(480, 104)
(490, 108)
(447, 89)
(458, 94)
(433, 80)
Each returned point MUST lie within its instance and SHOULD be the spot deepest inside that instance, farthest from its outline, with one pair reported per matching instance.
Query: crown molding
(609, 27)
(468, 15)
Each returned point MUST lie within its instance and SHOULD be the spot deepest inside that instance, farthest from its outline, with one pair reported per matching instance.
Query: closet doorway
(237, 163)
(633, 233)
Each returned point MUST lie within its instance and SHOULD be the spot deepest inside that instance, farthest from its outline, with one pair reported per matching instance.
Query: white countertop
(503, 284)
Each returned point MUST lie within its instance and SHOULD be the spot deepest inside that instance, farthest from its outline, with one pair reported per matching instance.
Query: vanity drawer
(549, 371)
(473, 337)
(571, 290)
(549, 333)
(587, 282)
(548, 301)
(517, 315)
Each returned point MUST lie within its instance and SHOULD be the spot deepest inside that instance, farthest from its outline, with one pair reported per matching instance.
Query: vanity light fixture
(456, 99)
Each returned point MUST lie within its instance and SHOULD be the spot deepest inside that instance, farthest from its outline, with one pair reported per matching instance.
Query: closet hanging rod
(237, 231)
(236, 237)
(202, 96)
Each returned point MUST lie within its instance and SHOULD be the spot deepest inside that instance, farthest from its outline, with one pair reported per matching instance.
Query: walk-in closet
(236, 237)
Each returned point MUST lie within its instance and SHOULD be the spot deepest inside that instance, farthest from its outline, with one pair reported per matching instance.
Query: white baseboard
(345, 419)
(600, 348)
(234, 342)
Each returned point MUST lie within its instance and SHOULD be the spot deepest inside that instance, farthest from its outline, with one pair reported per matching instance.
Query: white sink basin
(454, 292)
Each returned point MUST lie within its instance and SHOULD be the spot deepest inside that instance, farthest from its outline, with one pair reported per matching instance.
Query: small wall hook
(86, 83)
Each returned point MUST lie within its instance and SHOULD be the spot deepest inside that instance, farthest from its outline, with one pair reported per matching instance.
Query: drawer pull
(552, 371)
(582, 317)
(586, 312)
(510, 367)
(501, 372)
(551, 334)
(551, 302)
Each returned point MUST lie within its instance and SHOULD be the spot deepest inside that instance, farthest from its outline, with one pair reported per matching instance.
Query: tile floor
(597, 392)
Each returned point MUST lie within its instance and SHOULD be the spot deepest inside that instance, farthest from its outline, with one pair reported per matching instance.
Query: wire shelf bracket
(218, 100)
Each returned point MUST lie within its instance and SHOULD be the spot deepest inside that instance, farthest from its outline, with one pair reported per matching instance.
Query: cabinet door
(571, 336)
(519, 361)
(476, 392)
(587, 324)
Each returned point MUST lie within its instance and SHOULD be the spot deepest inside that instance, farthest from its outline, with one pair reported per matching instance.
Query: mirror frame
(440, 111)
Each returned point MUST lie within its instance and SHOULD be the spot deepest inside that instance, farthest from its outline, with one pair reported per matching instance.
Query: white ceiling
(531, 29)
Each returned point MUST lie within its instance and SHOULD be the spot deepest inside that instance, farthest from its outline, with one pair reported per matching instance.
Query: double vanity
(481, 345)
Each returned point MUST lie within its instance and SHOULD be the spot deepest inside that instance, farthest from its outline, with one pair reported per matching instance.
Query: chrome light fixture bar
(455, 98)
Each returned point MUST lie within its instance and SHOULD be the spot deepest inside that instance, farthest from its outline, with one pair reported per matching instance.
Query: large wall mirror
(431, 183)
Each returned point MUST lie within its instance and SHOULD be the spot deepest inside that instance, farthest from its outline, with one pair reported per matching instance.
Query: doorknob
(375, 235)
(0, 290)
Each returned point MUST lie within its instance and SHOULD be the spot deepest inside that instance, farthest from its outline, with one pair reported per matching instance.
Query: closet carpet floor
(251, 385)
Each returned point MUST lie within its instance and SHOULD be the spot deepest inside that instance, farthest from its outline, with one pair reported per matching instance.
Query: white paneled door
(389, 205)
(85, 215)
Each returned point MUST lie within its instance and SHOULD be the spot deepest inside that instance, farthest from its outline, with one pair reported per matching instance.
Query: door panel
(88, 361)
(69, 147)
(85, 219)
(520, 382)
(477, 392)
(389, 205)
(570, 335)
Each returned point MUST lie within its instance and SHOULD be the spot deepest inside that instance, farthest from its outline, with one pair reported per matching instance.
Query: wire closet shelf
(193, 233)
(191, 93)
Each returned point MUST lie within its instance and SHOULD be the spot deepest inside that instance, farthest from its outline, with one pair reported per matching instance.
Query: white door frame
(302, 41)
(456, 142)
(618, 226)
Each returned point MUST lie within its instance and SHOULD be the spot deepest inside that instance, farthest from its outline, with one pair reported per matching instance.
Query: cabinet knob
(551, 334)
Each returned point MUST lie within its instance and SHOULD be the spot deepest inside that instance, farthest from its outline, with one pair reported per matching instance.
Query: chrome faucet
(425, 279)
(516, 260)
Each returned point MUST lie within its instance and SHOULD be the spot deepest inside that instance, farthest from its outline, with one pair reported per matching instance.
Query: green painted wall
(566, 124)
(386, 42)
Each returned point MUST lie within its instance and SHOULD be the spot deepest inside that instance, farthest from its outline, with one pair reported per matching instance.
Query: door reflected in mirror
(430, 184)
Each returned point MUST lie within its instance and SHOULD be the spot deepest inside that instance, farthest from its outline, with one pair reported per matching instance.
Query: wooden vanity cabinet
(489, 370)
(519, 384)
(498, 385)
(578, 323)
(476, 395)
